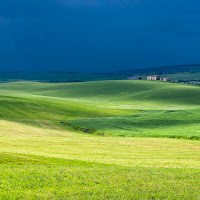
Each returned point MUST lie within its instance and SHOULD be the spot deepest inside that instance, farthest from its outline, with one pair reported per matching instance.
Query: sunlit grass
(45, 163)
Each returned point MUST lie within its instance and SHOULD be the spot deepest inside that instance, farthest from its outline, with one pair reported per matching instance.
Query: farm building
(153, 77)
(166, 79)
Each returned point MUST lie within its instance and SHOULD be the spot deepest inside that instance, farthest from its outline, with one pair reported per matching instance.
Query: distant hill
(189, 74)
(180, 73)
(54, 77)
(165, 69)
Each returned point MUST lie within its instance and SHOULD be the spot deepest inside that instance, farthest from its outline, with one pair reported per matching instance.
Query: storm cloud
(97, 35)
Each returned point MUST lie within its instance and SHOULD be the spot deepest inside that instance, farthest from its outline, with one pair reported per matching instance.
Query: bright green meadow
(119, 139)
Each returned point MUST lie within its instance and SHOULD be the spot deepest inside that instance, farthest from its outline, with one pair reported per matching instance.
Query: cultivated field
(99, 140)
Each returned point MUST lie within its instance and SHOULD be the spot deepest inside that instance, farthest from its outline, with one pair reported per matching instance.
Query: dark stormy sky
(97, 35)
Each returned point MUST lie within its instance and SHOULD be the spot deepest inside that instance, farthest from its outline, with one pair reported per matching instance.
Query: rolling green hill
(132, 93)
(123, 108)
(99, 140)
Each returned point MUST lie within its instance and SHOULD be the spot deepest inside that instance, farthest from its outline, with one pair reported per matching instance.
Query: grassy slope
(134, 108)
(39, 158)
(45, 163)
(31, 107)
(176, 124)
(118, 92)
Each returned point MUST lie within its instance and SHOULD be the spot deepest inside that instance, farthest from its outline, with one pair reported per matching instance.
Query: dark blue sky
(97, 35)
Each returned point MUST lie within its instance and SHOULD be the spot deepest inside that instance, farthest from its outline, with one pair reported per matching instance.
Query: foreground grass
(78, 180)
(44, 163)
(49, 164)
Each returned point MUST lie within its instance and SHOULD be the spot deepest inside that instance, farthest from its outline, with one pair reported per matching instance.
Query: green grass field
(99, 140)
